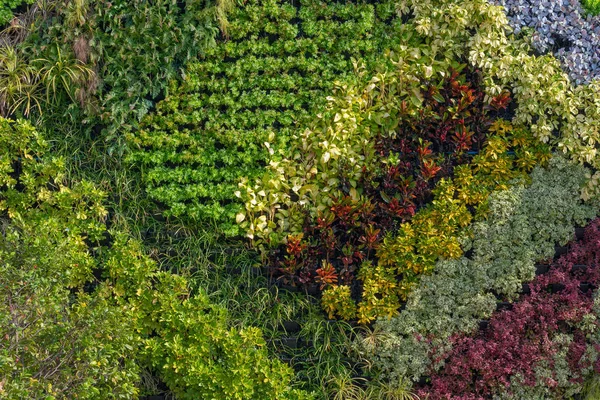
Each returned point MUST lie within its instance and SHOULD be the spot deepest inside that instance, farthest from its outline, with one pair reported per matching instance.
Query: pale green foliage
(523, 225)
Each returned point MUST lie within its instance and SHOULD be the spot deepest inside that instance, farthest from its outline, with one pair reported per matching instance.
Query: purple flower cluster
(561, 26)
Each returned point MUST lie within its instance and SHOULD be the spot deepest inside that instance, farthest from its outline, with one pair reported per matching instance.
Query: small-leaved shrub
(522, 226)
(545, 347)
(85, 308)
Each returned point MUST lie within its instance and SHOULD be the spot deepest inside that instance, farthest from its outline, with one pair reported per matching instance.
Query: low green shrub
(59, 340)
(186, 339)
(85, 308)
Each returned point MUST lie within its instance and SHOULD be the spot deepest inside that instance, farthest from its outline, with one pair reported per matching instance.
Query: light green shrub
(85, 310)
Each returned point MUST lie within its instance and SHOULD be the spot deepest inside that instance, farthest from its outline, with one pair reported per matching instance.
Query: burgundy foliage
(519, 340)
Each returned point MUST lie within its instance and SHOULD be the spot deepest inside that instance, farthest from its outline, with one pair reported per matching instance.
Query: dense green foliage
(86, 309)
(591, 6)
(318, 119)
(246, 96)
(7, 7)
(134, 49)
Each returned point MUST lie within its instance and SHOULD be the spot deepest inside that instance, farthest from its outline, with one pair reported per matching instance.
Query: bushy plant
(545, 347)
(245, 97)
(8, 6)
(187, 340)
(523, 225)
(58, 340)
(86, 308)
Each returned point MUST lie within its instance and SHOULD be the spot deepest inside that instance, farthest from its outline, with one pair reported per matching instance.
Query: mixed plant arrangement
(243, 100)
(546, 346)
(394, 168)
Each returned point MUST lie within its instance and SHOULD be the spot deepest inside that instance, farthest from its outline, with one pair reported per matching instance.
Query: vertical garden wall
(308, 199)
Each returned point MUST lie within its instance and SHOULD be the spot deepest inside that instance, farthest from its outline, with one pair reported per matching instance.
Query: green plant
(19, 84)
(591, 389)
(52, 322)
(62, 74)
(591, 6)
(343, 386)
(391, 391)
(7, 7)
(87, 307)
(337, 301)
(240, 103)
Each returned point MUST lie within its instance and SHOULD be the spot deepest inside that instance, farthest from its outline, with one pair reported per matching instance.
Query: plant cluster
(374, 151)
(545, 347)
(439, 229)
(86, 309)
(355, 186)
(129, 51)
(523, 225)
(7, 8)
(562, 28)
(557, 113)
(241, 102)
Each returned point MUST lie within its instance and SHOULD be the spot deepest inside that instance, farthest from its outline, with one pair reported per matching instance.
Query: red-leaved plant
(521, 341)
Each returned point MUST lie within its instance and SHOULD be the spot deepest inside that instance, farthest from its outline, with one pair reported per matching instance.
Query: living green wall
(245, 97)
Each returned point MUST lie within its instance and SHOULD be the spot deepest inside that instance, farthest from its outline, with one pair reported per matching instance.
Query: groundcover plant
(307, 199)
